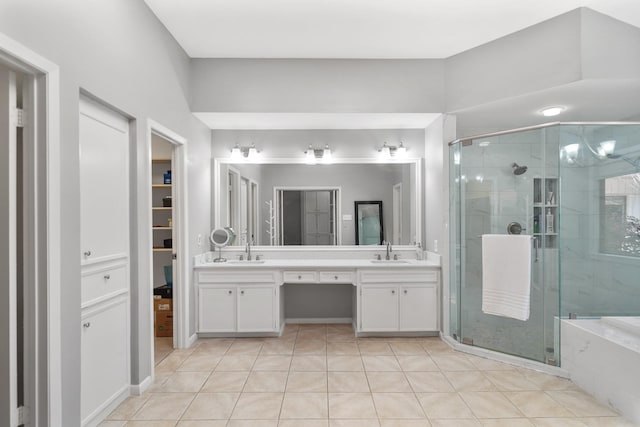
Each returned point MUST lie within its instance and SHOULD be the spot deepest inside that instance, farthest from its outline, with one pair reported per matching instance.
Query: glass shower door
(500, 181)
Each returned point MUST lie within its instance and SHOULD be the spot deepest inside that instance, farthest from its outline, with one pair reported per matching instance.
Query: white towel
(506, 275)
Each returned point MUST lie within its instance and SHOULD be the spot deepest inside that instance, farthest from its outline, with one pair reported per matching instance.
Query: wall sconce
(388, 152)
(313, 155)
(239, 153)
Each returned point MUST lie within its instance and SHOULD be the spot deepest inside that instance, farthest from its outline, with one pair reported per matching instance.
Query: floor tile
(309, 363)
(303, 423)
(164, 406)
(127, 409)
(537, 404)
(510, 381)
(607, 422)
(200, 362)
(490, 404)
(202, 423)
(307, 382)
(272, 363)
(310, 347)
(244, 348)
(351, 406)
(381, 382)
(343, 348)
(277, 347)
(180, 382)
(469, 381)
(266, 381)
(397, 405)
(150, 423)
(211, 406)
(344, 363)
(444, 405)
(354, 423)
(456, 423)
(417, 363)
(404, 423)
(258, 406)
(426, 382)
(381, 363)
(225, 382)
(507, 422)
(453, 363)
(375, 348)
(305, 406)
(581, 404)
(348, 382)
(557, 422)
(236, 363)
(111, 423)
(407, 349)
(252, 423)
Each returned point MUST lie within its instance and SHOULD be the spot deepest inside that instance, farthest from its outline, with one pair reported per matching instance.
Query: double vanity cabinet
(243, 298)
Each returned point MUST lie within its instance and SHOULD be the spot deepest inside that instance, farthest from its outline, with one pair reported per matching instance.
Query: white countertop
(317, 263)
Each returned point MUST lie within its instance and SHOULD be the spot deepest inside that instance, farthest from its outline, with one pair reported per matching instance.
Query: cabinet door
(418, 308)
(256, 308)
(104, 182)
(217, 309)
(104, 356)
(379, 308)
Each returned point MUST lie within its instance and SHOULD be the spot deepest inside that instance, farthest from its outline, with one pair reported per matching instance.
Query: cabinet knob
(230, 292)
(86, 325)
(87, 253)
(335, 277)
(406, 292)
(299, 277)
(241, 292)
(107, 276)
(393, 292)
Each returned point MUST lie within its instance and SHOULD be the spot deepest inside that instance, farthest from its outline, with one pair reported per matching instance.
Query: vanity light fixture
(606, 149)
(313, 155)
(250, 153)
(388, 152)
(552, 111)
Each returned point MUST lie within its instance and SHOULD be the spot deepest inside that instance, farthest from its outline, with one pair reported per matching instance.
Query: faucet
(389, 250)
(248, 249)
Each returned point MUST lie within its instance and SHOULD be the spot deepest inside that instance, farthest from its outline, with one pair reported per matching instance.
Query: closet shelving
(161, 225)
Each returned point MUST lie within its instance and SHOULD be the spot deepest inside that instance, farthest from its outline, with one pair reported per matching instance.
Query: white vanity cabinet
(398, 301)
(232, 301)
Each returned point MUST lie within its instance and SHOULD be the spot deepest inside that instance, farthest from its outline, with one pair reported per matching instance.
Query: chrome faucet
(248, 249)
(389, 250)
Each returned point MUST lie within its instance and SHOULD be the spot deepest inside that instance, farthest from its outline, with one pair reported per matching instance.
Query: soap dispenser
(549, 221)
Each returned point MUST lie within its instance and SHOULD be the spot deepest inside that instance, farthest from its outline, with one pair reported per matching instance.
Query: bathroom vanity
(247, 298)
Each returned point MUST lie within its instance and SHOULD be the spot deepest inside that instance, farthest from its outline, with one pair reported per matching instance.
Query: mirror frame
(417, 194)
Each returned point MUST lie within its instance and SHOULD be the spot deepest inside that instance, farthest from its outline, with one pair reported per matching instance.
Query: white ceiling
(358, 28)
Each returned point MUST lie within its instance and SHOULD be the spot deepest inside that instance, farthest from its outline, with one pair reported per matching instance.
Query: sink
(389, 261)
(237, 261)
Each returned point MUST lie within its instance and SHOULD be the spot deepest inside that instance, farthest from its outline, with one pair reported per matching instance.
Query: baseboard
(192, 340)
(95, 418)
(138, 389)
(347, 320)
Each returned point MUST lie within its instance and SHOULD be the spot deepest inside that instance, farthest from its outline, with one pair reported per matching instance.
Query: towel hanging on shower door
(506, 275)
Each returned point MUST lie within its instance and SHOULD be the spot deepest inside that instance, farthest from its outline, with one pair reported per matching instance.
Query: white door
(8, 250)
(256, 308)
(379, 308)
(104, 183)
(418, 308)
(217, 309)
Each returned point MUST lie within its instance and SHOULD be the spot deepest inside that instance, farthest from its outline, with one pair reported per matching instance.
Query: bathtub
(602, 356)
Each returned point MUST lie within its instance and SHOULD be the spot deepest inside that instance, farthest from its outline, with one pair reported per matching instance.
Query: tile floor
(322, 376)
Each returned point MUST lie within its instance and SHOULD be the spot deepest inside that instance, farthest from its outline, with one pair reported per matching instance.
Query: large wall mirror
(286, 203)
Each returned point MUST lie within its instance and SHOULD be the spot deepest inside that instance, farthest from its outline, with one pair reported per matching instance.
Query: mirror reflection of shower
(518, 170)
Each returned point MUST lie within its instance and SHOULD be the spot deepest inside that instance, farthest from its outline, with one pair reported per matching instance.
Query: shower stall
(575, 189)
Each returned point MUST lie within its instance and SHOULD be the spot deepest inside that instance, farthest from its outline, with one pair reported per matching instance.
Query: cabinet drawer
(299, 277)
(336, 277)
(103, 282)
(236, 276)
(398, 276)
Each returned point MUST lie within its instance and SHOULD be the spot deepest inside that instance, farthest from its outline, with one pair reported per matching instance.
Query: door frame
(181, 291)
(42, 313)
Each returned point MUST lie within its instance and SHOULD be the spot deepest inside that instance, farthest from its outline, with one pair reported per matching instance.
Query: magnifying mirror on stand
(221, 237)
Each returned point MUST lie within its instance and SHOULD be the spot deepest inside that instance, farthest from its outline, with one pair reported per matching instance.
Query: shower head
(518, 170)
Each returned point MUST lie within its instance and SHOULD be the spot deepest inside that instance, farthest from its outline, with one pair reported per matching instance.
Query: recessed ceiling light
(551, 111)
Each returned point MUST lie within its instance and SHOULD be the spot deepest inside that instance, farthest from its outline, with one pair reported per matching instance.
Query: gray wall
(119, 52)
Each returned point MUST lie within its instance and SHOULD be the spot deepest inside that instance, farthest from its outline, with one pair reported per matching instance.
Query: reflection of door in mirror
(233, 200)
(307, 217)
(369, 223)
(397, 214)
(244, 206)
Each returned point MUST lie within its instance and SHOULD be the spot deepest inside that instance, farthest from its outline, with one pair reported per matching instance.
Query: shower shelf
(545, 197)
